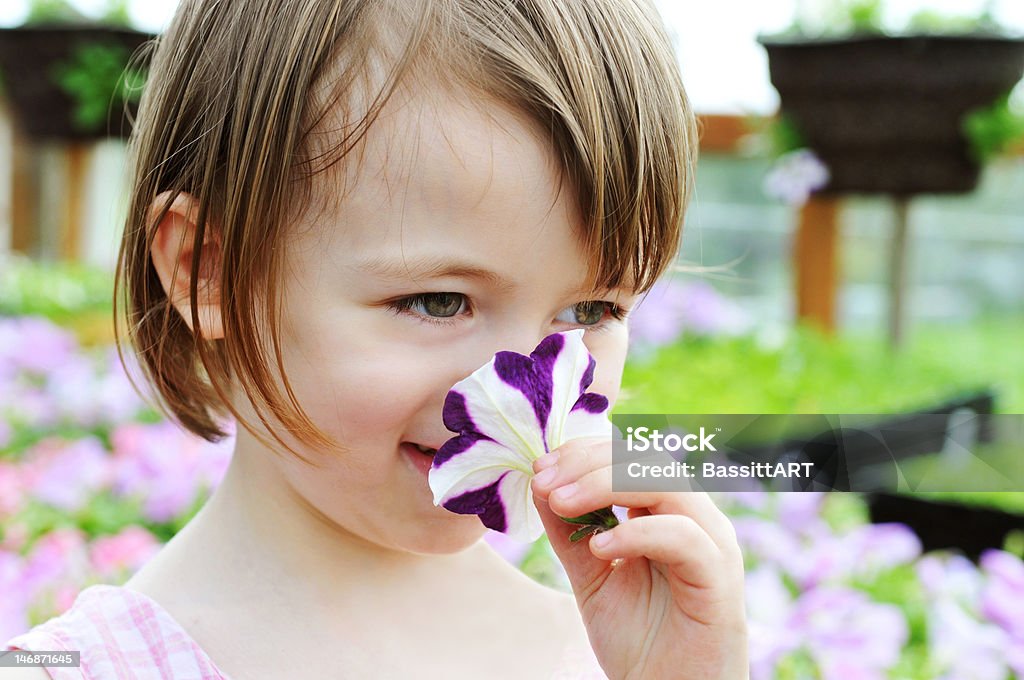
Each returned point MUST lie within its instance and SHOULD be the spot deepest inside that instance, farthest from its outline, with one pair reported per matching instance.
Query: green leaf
(98, 79)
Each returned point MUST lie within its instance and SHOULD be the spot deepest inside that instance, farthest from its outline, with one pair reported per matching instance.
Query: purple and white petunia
(506, 414)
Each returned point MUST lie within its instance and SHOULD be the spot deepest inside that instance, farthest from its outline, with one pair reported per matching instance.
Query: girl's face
(449, 245)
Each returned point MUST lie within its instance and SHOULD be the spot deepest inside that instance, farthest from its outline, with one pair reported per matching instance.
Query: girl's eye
(431, 305)
(590, 313)
(441, 308)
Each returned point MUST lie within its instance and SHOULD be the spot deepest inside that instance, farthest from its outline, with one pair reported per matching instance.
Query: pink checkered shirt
(123, 635)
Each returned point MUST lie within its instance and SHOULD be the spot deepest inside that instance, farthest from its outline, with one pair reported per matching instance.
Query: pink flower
(65, 474)
(166, 467)
(126, 551)
(10, 490)
(16, 535)
(13, 603)
(56, 557)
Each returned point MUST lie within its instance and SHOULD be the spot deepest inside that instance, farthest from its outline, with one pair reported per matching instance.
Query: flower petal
(523, 519)
(572, 372)
(474, 466)
(484, 403)
(504, 503)
(507, 414)
(583, 422)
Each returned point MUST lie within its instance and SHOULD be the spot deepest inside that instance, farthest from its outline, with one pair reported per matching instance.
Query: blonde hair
(249, 100)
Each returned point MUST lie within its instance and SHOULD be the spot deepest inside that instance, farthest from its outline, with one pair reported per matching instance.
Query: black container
(886, 113)
(28, 58)
(947, 525)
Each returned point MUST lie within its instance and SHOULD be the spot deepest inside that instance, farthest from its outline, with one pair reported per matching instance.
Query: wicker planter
(885, 113)
(28, 58)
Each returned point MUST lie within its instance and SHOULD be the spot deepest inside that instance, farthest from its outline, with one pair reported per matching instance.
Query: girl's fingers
(571, 496)
(577, 456)
(676, 541)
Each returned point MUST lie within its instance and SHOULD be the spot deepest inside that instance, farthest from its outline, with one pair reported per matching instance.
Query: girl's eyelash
(404, 306)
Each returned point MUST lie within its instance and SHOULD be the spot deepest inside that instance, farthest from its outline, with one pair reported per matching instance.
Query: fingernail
(566, 491)
(601, 540)
(546, 476)
(546, 461)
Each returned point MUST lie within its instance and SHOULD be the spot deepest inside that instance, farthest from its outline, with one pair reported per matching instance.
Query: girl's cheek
(609, 351)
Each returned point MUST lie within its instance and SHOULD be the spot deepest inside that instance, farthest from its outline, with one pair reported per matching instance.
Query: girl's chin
(453, 535)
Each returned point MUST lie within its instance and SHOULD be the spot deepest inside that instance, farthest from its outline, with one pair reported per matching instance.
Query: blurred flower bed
(93, 482)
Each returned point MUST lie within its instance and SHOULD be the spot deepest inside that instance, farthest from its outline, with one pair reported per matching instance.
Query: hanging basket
(886, 113)
(30, 62)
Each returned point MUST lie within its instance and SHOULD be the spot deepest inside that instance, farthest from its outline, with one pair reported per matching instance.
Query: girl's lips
(421, 461)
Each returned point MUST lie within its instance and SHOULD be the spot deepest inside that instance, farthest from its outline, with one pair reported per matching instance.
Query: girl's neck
(256, 539)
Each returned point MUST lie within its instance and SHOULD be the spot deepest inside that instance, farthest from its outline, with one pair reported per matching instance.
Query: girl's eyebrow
(433, 268)
(426, 267)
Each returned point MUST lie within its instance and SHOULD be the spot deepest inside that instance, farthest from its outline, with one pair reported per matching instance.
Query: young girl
(340, 209)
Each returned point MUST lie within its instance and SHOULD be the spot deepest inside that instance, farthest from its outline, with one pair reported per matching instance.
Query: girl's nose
(521, 340)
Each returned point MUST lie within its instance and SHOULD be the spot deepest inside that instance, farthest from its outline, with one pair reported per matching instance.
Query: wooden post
(6, 177)
(815, 262)
(24, 190)
(74, 206)
(898, 272)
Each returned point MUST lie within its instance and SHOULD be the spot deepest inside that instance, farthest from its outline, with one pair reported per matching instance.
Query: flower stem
(592, 523)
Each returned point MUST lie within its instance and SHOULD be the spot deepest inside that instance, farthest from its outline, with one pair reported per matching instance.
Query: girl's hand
(671, 603)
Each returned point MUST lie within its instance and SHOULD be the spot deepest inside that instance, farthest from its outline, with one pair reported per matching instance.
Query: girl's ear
(171, 254)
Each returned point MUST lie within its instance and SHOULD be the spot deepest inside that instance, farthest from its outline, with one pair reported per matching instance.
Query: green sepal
(583, 532)
(593, 523)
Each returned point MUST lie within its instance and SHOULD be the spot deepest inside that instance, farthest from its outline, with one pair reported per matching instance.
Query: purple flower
(766, 540)
(768, 609)
(35, 345)
(806, 549)
(1002, 600)
(672, 308)
(511, 550)
(118, 401)
(507, 414)
(749, 500)
(877, 547)
(963, 647)
(795, 176)
(949, 577)
(799, 511)
(842, 628)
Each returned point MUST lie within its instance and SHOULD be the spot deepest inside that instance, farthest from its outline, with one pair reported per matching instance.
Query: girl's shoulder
(120, 633)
